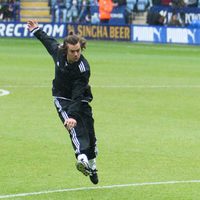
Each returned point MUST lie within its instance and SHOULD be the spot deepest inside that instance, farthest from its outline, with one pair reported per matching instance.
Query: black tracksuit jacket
(71, 80)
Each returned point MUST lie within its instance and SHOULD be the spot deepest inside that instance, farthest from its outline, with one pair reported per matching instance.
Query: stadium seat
(35, 9)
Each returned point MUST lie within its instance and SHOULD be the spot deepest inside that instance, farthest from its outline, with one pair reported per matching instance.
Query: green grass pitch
(147, 118)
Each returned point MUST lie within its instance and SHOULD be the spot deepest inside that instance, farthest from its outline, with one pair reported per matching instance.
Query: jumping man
(72, 94)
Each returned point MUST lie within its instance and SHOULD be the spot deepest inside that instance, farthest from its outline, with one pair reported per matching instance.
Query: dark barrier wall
(121, 33)
(20, 30)
(101, 32)
(134, 33)
(163, 34)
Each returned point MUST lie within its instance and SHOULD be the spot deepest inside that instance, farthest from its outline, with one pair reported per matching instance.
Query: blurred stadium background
(157, 21)
(125, 11)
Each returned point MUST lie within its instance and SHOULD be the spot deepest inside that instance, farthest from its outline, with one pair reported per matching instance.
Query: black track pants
(83, 134)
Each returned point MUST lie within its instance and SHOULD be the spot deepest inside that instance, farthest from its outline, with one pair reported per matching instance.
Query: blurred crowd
(70, 10)
(99, 11)
(9, 10)
(177, 16)
(176, 3)
(80, 10)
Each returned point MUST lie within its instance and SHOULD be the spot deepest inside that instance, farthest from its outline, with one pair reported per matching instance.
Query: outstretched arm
(50, 43)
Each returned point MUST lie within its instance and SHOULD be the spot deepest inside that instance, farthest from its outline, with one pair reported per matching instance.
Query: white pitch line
(110, 86)
(26, 86)
(146, 86)
(4, 92)
(96, 188)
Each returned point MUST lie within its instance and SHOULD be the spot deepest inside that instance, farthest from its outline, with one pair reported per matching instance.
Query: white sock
(92, 164)
(83, 157)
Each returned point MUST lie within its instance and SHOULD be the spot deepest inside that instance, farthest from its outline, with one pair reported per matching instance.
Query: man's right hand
(32, 24)
(70, 123)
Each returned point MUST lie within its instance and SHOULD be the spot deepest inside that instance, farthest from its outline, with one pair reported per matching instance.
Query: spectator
(1, 10)
(105, 9)
(191, 3)
(84, 12)
(95, 18)
(154, 18)
(8, 10)
(72, 13)
(17, 10)
(52, 4)
(130, 7)
(175, 20)
(177, 4)
(60, 11)
(142, 5)
(176, 7)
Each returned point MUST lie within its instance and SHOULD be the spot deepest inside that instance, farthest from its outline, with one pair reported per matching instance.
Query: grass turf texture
(146, 109)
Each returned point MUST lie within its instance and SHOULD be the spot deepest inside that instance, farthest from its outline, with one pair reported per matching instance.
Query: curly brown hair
(73, 40)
